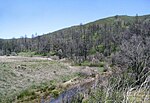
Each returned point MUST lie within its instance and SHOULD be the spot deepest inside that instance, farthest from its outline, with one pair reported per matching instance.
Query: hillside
(93, 31)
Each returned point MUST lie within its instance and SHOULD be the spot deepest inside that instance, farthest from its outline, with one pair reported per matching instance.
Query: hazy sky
(20, 17)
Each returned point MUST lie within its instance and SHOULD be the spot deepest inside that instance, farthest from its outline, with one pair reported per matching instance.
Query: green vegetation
(51, 53)
(90, 64)
(101, 48)
(37, 91)
(92, 50)
(27, 54)
(65, 78)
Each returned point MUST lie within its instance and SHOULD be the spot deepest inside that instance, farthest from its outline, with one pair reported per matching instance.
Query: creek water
(68, 95)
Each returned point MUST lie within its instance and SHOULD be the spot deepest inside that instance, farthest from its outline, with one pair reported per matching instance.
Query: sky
(26, 17)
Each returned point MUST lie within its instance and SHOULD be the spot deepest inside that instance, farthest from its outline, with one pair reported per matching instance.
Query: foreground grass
(27, 79)
(28, 54)
(139, 96)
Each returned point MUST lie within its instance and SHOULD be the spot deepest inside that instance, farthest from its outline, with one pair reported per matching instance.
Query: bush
(92, 51)
(101, 64)
(13, 54)
(52, 53)
(101, 48)
(86, 63)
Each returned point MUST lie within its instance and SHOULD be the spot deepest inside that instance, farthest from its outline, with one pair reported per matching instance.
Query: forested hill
(102, 36)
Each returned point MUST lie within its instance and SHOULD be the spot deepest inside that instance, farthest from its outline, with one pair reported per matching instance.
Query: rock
(50, 59)
(55, 57)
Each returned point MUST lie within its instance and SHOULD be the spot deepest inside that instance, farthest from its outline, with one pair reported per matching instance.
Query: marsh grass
(25, 79)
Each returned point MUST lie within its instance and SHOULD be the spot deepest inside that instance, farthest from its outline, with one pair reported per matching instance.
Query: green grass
(90, 64)
(65, 78)
(100, 69)
(25, 93)
(27, 54)
(32, 54)
(138, 98)
(36, 91)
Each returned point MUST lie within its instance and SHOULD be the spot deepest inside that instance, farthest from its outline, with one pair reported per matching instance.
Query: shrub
(92, 51)
(52, 53)
(101, 48)
(105, 70)
(55, 93)
(85, 63)
(13, 54)
(23, 94)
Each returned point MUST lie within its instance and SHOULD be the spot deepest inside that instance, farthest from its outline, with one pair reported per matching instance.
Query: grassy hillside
(109, 20)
